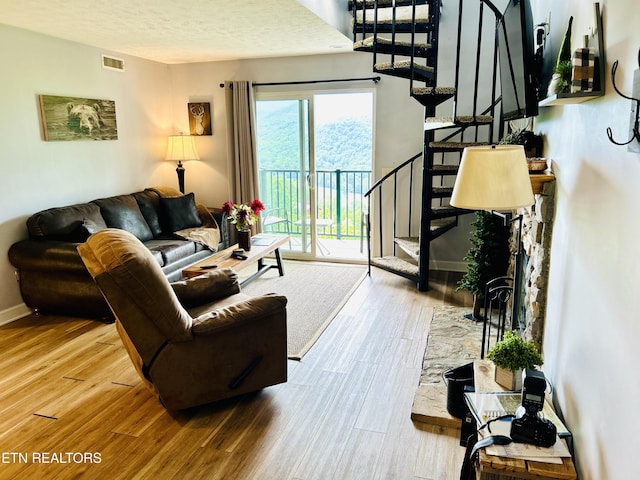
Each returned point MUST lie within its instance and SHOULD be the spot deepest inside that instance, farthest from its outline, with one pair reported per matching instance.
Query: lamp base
(180, 172)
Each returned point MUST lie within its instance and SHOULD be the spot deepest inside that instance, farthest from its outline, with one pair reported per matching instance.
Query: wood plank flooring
(72, 406)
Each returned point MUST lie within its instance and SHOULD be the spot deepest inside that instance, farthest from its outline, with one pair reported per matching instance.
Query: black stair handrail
(392, 173)
(377, 186)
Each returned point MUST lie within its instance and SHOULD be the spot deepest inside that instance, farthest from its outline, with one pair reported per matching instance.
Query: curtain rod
(304, 82)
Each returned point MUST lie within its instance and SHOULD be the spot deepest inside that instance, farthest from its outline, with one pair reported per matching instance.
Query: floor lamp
(181, 148)
(496, 178)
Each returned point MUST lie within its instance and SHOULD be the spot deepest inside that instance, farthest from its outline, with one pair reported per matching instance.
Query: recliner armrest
(207, 287)
(239, 314)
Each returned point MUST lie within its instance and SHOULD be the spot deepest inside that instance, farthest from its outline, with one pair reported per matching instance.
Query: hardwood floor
(72, 406)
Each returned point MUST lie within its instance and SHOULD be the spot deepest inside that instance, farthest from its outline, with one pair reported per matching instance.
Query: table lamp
(494, 178)
(181, 148)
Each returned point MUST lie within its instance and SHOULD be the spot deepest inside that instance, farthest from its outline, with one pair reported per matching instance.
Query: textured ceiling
(184, 31)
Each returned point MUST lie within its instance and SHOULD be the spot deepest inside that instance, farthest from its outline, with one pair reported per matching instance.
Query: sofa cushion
(171, 250)
(122, 212)
(64, 223)
(180, 212)
(149, 203)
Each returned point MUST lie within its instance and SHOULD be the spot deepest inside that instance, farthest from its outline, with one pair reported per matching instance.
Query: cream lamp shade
(493, 177)
(181, 148)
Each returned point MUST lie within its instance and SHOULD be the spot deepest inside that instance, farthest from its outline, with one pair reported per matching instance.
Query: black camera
(529, 426)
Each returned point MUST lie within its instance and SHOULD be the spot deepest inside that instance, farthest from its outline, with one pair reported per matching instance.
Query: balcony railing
(339, 200)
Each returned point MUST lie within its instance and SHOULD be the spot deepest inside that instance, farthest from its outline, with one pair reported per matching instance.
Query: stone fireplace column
(537, 228)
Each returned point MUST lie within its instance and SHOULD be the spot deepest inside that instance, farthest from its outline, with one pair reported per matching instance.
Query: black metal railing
(339, 200)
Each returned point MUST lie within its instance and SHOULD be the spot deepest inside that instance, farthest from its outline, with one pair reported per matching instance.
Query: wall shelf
(581, 97)
(539, 179)
(569, 98)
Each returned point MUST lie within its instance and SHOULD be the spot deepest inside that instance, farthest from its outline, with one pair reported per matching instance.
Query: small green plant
(489, 255)
(513, 353)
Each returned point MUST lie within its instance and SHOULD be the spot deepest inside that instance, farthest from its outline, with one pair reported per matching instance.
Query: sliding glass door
(315, 153)
(285, 166)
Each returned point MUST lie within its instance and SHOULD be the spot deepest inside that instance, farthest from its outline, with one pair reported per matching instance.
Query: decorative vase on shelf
(244, 239)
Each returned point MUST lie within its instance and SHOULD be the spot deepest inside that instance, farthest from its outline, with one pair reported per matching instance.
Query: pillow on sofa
(123, 212)
(90, 227)
(149, 203)
(180, 212)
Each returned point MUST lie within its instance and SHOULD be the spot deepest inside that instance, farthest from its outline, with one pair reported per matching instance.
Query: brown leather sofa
(52, 277)
(226, 344)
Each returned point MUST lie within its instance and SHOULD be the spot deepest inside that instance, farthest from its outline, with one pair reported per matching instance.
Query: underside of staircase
(403, 38)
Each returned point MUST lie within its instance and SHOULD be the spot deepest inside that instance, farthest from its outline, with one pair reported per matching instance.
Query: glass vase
(244, 239)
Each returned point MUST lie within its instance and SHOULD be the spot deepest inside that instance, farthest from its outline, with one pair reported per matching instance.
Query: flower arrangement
(241, 215)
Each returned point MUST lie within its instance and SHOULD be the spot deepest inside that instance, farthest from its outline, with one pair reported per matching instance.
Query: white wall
(37, 174)
(398, 117)
(592, 329)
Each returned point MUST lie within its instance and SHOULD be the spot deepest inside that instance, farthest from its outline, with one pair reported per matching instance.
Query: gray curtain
(241, 139)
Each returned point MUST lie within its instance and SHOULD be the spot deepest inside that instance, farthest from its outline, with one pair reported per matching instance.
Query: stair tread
(443, 212)
(385, 23)
(441, 191)
(432, 96)
(403, 15)
(410, 245)
(397, 265)
(443, 169)
(434, 123)
(384, 45)
(402, 68)
(433, 91)
(386, 3)
(454, 146)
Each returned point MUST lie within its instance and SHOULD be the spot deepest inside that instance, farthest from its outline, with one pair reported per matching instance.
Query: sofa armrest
(54, 255)
(207, 287)
(239, 314)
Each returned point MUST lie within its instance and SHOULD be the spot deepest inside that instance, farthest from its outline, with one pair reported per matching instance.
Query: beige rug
(315, 292)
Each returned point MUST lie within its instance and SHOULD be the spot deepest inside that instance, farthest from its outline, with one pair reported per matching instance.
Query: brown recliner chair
(226, 344)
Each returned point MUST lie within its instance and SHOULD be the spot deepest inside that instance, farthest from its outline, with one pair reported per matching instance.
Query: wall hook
(636, 122)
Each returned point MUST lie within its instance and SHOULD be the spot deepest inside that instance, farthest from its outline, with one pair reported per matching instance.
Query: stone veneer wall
(537, 228)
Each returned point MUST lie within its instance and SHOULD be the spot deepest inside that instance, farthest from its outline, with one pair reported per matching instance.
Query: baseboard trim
(448, 266)
(12, 314)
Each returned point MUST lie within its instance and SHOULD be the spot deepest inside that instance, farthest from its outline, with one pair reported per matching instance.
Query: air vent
(112, 63)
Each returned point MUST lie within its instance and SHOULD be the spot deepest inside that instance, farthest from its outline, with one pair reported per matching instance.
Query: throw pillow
(123, 212)
(89, 227)
(180, 212)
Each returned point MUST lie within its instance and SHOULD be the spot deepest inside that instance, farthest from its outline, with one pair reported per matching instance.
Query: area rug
(315, 292)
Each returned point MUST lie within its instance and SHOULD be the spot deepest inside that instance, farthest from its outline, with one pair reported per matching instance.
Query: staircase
(411, 202)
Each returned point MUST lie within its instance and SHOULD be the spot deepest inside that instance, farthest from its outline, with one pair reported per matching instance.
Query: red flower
(226, 207)
(257, 206)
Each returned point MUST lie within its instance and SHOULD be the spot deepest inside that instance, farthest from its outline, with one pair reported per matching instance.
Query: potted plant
(511, 355)
(530, 141)
(488, 257)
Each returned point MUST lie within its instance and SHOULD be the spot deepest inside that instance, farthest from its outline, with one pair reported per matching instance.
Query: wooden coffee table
(261, 246)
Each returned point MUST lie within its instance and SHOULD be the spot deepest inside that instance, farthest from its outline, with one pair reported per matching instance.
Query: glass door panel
(284, 167)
